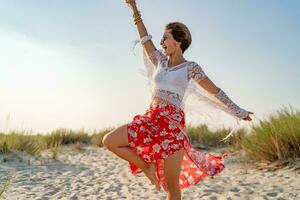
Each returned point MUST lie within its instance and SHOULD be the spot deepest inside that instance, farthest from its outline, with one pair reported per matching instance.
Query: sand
(96, 173)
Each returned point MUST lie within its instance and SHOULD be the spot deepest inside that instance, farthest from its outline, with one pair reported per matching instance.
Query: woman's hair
(181, 34)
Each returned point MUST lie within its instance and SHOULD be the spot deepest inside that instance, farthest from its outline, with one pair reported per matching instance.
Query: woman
(156, 143)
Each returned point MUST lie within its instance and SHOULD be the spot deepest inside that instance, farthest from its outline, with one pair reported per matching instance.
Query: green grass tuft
(6, 184)
(202, 135)
(275, 139)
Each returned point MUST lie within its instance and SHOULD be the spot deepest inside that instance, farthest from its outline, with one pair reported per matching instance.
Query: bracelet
(136, 21)
(136, 18)
(145, 39)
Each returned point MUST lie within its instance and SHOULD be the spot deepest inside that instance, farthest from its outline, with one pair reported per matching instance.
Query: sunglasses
(163, 38)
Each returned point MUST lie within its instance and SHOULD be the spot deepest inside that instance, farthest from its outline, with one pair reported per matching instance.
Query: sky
(69, 63)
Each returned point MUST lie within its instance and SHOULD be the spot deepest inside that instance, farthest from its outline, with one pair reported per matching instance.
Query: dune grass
(202, 135)
(275, 139)
(6, 185)
(34, 144)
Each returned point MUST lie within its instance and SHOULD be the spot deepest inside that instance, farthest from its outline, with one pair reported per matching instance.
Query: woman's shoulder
(195, 71)
(193, 64)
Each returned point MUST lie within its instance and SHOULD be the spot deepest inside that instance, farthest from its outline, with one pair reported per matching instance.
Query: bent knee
(107, 141)
(116, 138)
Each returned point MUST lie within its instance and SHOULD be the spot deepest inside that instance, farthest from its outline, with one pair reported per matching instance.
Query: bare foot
(150, 173)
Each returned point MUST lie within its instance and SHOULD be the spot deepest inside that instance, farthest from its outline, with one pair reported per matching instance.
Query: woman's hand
(132, 5)
(130, 2)
(248, 118)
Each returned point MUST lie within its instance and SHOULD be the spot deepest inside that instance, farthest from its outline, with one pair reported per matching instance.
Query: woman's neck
(175, 59)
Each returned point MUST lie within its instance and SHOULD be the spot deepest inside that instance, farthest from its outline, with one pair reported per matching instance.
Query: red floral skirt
(161, 132)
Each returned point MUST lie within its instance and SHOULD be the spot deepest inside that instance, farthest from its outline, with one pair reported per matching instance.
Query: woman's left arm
(195, 72)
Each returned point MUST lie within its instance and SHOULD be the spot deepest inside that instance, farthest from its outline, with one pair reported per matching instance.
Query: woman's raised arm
(148, 45)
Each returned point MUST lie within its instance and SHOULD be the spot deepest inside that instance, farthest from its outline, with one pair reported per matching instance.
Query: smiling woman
(156, 143)
(180, 33)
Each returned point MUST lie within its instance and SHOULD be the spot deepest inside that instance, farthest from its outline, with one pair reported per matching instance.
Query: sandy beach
(95, 173)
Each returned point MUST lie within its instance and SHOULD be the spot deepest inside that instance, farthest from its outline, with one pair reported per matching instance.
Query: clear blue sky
(69, 63)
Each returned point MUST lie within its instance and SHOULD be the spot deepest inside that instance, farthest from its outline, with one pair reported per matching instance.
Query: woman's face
(169, 44)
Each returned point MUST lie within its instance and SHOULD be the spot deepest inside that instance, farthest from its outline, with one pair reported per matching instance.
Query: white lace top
(170, 83)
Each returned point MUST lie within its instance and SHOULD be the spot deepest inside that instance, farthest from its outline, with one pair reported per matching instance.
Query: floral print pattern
(161, 132)
(195, 72)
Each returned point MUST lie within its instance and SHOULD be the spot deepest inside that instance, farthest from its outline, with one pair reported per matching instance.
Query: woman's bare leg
(117, 142)
(172, 168)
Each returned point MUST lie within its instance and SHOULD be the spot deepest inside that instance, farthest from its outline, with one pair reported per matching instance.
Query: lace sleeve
(235, 109)
(157, 57)
(195, 72)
